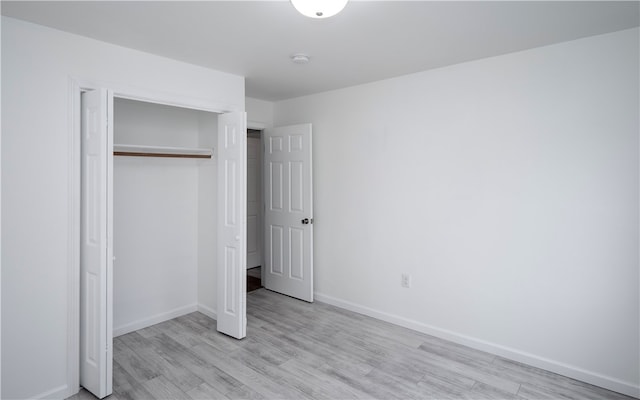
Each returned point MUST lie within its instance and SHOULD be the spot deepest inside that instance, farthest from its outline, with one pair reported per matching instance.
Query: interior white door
(288, 218)
(232, 232)
(254, 203)
(96, 249)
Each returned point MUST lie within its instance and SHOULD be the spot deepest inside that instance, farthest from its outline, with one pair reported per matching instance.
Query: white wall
(38, 204)
(506, 187)
(156, 216)
(259, 113)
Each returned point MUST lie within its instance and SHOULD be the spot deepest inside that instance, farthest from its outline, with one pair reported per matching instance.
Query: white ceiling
(368, 41)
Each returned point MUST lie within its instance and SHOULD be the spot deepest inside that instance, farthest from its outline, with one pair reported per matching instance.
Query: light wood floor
(297, 350)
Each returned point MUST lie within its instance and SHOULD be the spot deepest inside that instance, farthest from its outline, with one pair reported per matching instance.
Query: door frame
(259, 126)
(260, 189)
(76, 86)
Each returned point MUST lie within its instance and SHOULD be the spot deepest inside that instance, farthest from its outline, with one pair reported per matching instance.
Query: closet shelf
(133, 150)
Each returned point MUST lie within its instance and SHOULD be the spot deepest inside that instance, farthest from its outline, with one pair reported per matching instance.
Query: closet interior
(164, 202)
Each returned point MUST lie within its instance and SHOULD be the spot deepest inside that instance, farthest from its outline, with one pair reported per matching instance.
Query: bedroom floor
(298, 350)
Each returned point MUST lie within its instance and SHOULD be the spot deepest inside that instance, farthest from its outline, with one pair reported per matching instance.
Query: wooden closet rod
(132, 150)
(167, 155)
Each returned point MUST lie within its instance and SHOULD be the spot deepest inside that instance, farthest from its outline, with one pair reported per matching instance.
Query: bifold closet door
(232, 219)
(96, 248)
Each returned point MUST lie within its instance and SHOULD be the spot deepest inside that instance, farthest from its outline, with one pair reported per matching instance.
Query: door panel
(232, 217)
(296, 253)
(96, 249)
(289, 202)
(276, 266)
(274, 185)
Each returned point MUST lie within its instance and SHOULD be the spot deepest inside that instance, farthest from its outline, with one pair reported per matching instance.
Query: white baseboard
(208, 311)
(61, 392)
(156, 319)
(570, 371)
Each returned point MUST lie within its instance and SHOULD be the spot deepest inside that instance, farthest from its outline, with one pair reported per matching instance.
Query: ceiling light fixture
(319, 8)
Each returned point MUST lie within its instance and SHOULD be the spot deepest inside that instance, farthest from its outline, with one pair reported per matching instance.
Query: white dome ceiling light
(319, 8)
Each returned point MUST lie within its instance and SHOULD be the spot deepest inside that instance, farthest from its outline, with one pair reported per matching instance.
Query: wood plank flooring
(297, 350)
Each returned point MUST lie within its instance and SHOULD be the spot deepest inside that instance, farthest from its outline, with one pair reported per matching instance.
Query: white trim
(76, 85)
(208, 311)
(570, 371)
(0, 226)
(109, 226)
(61, 392)
(158, 97)
(73, 266)
(156, 319)
(259, 126)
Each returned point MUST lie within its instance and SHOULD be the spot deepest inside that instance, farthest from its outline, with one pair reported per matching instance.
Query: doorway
(94, 185)
(255, 206)
(288, 211)
(283, 205)
(164, 207)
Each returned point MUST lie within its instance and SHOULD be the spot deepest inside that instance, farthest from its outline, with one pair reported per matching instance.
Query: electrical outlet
(405, 281)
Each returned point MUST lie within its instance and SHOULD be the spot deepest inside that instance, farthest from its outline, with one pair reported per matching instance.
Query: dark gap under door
(254, 280)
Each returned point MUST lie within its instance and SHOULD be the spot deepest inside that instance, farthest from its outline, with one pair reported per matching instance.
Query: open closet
(164, 213)
(163, 216)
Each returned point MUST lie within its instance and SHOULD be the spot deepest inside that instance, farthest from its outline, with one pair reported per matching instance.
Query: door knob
(307, 221)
